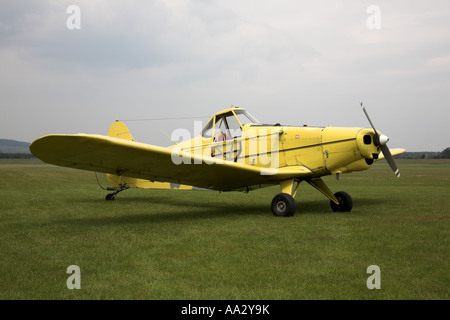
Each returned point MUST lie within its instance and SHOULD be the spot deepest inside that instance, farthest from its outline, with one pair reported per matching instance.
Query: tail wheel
(345, 202)
(283, 205)
(110, 196)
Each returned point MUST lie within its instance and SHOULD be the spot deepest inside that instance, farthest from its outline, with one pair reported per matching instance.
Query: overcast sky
(293, 62)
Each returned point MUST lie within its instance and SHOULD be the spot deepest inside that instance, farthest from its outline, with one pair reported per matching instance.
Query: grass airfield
(169, 244)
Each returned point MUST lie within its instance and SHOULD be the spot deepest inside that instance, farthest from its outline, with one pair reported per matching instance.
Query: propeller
(381, 140)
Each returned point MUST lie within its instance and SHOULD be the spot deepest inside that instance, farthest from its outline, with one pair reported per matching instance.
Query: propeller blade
(377, 140)
(390, 159)
(382, 143)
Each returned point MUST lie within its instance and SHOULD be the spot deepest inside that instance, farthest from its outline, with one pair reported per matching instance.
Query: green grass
(164, 244)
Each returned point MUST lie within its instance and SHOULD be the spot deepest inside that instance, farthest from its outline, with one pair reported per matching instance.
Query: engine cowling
(367, 144)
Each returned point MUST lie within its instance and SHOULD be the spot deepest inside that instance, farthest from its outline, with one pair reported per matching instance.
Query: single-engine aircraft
(234, 152)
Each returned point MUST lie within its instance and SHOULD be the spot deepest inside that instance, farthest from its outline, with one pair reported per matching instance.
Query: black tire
(110, 196)
(283, 205)
(345, 202)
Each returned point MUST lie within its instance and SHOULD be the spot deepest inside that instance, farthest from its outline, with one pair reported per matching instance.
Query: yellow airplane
(234, 152)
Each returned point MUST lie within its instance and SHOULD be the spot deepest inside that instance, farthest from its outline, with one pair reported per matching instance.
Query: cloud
(288, 62)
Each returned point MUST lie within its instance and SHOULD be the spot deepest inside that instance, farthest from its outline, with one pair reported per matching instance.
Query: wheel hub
(281, 206)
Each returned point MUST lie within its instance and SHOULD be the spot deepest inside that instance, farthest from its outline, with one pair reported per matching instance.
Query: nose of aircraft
(383, 139)
(380, 140)
(383, 145)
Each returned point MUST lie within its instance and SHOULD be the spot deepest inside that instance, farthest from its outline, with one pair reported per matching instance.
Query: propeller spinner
(381, 140)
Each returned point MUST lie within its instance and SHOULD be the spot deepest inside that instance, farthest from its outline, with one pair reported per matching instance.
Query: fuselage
(323, 150)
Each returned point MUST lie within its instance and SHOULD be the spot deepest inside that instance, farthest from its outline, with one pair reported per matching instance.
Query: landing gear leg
(340, 201)
(112, 196)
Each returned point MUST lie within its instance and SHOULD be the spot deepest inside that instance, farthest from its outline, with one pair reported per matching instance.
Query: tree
(445, 154)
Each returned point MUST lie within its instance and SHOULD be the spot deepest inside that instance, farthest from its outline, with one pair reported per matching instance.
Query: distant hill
(13, 146)
(419, 155)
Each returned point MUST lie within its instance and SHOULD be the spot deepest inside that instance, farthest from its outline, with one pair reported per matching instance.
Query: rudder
(119, 130)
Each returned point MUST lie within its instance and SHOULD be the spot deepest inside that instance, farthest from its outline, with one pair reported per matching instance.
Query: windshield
(245, 117)
(227, 125)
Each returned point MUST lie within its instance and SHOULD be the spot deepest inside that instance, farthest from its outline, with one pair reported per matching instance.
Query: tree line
(15, 155)
(444, 154)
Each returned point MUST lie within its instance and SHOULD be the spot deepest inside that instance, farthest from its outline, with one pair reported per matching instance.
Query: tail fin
(119, 130)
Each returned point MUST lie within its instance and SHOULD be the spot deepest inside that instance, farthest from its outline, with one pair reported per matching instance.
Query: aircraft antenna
(158, 119)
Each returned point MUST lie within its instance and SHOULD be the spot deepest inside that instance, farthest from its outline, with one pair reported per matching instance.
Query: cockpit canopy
(227, 124)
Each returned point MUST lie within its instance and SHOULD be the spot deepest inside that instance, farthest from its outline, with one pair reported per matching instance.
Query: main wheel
(283, 205)
(345, 202)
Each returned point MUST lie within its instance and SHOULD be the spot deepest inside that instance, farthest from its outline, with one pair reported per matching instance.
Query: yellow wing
(394, 152)
(120, 130)
(138, 160)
